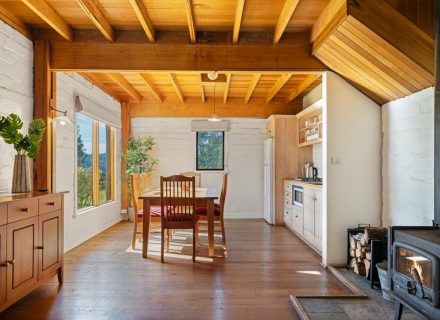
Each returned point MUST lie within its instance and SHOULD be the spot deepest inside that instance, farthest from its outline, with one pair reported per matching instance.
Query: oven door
(298, 196)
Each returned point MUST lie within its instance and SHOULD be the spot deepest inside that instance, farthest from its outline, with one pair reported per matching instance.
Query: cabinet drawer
(298, 221)
(287, 217)
(22, 209)
(3, 214)
(49, 204)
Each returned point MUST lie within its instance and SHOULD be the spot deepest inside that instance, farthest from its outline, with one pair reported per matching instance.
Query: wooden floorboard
(105, 280)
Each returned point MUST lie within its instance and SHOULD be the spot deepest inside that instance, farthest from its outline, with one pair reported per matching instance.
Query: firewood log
(374, 233)
(359, 269)
(368, 255)
(367, 264)
(352, 253)
(352, 243)
(352, 262)
(363, 241)
(358, 253)
(358, 245)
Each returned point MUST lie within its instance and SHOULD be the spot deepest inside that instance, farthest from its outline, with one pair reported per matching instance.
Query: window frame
(197, 151)
(95, 164)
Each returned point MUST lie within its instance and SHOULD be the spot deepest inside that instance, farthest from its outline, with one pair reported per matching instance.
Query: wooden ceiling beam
(9, 18)
(98, 19)
(227, 85)
(303, 86)
(177, 87)
(119, 79)
(144, 19)
(284, 18)
(237, 22)
(150, 84)
(254, 81)
(190, 20)
(91, 77)
(46, 13)
(86, 54)
(278, 85)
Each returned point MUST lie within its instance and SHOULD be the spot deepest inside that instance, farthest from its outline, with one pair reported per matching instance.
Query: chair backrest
(135, 190)
(145, 182)
(178, 198)
(194, 174)
(223, 193)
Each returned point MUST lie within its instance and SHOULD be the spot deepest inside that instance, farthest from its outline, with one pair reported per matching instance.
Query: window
(95, 162)
(210, 150)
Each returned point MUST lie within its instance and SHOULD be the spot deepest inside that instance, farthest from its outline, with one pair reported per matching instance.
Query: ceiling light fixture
(214, 117)
(213, 75)
(62, 119)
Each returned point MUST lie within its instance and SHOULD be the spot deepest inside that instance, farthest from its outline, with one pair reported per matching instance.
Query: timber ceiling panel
(161, 86)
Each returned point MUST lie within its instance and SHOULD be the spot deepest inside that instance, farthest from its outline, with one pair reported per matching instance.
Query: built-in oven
(297, 196)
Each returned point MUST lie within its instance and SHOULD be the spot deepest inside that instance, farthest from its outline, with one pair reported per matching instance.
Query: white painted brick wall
(80, 227)
(318, 158)
(408, 160)
(176, 151)
(16, 90)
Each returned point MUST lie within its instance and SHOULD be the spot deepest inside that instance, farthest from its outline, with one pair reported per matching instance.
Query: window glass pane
(84, 161)
(105, 191)
(210, 150)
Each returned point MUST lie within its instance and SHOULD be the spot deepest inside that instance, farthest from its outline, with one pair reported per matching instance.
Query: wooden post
(125, 135)
(42, 100)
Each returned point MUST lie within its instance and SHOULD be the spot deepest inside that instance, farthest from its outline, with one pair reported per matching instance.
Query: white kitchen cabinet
(313, 217)
(288, 216)
(298, 220)
(318, 220)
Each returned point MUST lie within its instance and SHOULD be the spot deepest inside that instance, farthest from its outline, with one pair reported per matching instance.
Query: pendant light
(214, 117)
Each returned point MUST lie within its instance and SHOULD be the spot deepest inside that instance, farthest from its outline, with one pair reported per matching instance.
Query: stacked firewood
(360, 249)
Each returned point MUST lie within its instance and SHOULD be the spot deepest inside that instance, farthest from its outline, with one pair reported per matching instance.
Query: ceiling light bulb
(213, 75)
(214, 118)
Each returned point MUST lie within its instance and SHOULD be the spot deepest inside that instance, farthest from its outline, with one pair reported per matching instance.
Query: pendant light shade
(61, 118)
(214, 117)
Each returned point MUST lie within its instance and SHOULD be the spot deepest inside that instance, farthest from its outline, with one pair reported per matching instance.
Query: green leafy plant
(137, 159)
(29, 144)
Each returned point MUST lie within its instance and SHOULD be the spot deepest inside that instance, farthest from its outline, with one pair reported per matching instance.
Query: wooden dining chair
(155, 212)
(145, 182)
(178, 201)
(197, 175)
(219, 208)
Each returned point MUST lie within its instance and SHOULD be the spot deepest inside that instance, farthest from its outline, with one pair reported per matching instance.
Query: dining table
(203, 197)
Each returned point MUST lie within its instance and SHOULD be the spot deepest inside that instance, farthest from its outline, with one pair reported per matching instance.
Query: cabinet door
(22, 257)
(288, 216)
(298, 220)
(309, 214)
(318, 219)
(49, 243)
(3, 264)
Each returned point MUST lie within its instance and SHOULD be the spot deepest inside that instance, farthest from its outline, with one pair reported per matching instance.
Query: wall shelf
(309, 143)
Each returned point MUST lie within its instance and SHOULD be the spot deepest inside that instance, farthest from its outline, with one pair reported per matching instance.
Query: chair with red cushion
(155, 211)
(202, 212)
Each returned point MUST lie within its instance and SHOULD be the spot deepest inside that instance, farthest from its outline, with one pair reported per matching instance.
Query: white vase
(21, 178)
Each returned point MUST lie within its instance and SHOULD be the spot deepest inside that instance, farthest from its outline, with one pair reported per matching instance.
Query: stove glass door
(408, 260)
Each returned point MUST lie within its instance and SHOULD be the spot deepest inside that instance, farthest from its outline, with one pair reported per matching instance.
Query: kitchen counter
(307, 185)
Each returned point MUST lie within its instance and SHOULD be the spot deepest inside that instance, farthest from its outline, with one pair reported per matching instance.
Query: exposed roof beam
(91, 77)
(284, 18)
(278, 85)
(303, 86)
(202, 90)
(237, 21)
(254, 81)
(190, 20)
(45, 12)
(149, 83)
(10, 19)
(98, 19)
(177, 87)
(144, 18)
(228, 83)
(118, 78)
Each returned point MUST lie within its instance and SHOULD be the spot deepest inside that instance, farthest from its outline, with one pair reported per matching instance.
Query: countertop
(306, 185)
(9, 197)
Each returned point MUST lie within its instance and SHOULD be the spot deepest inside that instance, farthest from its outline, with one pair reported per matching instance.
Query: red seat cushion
(155, 211)
(203, 211)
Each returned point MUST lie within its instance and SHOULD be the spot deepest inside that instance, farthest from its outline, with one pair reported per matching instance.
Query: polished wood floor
(106, 280)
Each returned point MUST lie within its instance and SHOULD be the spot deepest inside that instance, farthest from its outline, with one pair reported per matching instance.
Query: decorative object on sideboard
(25, 145)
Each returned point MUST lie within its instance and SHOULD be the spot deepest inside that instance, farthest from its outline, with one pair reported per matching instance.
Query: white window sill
(90, 210)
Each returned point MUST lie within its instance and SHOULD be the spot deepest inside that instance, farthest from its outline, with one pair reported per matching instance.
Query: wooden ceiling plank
(46, 13)
(238, 18)
(284, 18)
(190, 20)
(303, 86)
(150, 84)
(254, 81)
(227, 85)
(98, 19)
(144, 19)
(278, 86)
(91, 77)
(202, 90)
(119, 79)
(10, 19)
(177, 87)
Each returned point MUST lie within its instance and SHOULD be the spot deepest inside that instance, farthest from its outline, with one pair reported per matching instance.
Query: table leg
(145, 228)
(210, 207)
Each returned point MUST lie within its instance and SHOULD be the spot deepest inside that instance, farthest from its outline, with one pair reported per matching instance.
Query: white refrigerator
(269, 181)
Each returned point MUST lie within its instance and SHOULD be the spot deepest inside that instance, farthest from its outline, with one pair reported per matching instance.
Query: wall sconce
(62, 118)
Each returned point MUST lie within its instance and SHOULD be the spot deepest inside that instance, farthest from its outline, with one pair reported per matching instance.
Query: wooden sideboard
(31, 243)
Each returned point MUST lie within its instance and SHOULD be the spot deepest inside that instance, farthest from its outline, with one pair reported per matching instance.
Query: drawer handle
(40, 247)
(25, 209)
(12, 262)
(51, 203)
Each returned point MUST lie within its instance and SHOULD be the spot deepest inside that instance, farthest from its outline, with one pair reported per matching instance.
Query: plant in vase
(137, 159)
(25, 145)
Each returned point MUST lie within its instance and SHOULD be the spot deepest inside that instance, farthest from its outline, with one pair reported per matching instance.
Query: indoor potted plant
(137, 159)
(25, 145)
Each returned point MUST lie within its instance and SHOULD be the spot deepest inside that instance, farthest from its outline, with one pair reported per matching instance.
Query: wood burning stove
(414, 264)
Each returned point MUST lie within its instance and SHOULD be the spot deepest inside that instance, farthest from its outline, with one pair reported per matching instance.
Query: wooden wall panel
(125, 135)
